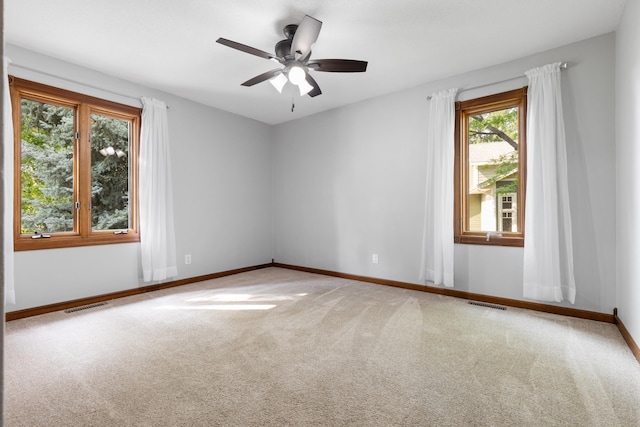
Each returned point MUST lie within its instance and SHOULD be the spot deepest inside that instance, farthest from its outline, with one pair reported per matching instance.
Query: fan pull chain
(293, 104)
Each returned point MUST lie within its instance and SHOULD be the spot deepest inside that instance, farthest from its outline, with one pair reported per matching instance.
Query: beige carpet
(285, 348)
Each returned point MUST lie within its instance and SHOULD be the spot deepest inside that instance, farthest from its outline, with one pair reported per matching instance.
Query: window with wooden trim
(75, 168)
(490, 169)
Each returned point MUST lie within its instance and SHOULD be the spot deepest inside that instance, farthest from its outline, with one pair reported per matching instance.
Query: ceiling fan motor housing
(290, 30)
(283, 47)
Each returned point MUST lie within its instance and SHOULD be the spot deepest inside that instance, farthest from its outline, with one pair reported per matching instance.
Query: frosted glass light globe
(296, 75)
(278, 82)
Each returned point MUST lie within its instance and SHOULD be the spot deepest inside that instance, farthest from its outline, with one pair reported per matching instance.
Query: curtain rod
(76, 82)
(563, 66)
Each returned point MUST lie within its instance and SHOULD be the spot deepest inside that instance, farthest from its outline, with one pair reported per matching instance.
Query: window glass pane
(492, 198)
(109, 173)
(46, 167)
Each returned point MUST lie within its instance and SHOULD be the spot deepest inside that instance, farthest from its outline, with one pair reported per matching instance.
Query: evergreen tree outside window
(46, 170)
(109, 173)
(75, 168)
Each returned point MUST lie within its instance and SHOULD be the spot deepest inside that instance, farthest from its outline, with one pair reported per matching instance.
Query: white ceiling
(170, 44)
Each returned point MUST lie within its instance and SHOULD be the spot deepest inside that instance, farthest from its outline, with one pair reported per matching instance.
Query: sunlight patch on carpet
(225, 307)
(245, 297)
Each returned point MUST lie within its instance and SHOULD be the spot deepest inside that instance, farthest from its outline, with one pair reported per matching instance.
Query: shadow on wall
(587, 267)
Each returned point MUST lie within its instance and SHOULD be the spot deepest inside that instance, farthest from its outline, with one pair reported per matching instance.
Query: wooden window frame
(84, 105)
(514, 98)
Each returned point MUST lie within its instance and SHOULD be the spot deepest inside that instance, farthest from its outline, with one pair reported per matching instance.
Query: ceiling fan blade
(247, 49)
(262, 77)
(316, 89)
(306, 35)
(338, 65)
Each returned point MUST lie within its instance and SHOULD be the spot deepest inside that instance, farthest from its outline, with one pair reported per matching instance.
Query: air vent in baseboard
(484, 304)
(85, 307)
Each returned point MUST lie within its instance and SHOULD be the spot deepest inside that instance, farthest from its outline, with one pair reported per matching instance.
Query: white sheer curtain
(437, 238)
(157, 236)
(548, 250)
(7, 173)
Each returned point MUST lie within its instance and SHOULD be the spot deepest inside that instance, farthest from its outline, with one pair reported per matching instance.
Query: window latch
(77, 206)
(121, 232)
(38, 235)
(494, 234)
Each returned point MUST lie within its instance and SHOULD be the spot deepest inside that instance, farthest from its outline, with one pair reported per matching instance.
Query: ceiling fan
(294, 54)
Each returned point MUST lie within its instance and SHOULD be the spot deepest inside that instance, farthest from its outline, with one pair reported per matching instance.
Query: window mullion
(83, 167)
(522, 163)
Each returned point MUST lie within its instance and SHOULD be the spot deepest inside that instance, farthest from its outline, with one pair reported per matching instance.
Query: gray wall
(628, 158)
(221, 166)
(351, 182)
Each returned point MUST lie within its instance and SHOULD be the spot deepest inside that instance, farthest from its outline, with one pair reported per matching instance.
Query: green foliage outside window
(47, 165)
(501, 125)
(109, 173)
(496, 126)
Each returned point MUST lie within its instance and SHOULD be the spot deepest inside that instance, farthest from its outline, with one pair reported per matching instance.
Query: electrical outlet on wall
(374, 258)
(187, 259)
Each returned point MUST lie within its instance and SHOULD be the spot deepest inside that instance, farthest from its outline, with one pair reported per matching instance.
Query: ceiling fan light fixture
(304, 87)
(278, 82)
(297, 75)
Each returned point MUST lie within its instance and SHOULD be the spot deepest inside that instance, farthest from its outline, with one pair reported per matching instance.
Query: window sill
(26, 243)
(481, 239)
